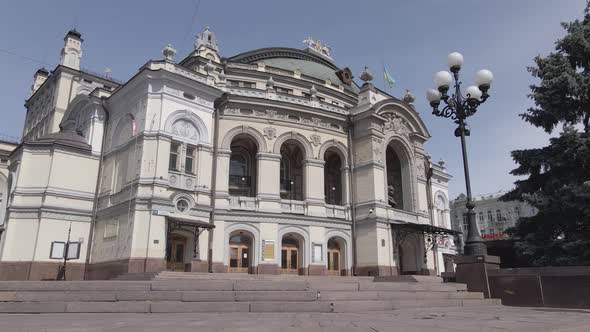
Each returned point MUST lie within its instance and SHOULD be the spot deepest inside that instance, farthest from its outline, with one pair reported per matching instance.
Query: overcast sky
(413, 38)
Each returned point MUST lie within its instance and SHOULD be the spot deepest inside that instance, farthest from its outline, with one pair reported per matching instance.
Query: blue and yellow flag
(388, 77)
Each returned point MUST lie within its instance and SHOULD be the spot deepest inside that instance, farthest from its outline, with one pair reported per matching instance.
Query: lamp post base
(475, 248)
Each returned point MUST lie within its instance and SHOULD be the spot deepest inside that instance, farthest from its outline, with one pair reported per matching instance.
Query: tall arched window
(242, 166)
(291, 176)
(395, 194)
(333, 178)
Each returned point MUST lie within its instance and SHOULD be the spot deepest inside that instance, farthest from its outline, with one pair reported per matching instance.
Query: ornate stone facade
(257, 160)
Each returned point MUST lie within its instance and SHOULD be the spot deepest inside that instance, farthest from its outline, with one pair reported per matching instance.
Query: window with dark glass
(333, 178)
(395, 193)
(242, 167)
(174, 154)
(291, 172)
(189, 159)
(499, 215)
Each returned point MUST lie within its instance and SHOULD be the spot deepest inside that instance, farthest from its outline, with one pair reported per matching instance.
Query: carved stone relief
(270, 133)
(185, 129)
(316, 139)
(396, 124)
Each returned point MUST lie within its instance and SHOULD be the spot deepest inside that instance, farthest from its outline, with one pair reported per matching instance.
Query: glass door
(290, 260)
(333, 262)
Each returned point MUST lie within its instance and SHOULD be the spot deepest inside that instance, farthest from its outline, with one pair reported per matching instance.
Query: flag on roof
(389, 80)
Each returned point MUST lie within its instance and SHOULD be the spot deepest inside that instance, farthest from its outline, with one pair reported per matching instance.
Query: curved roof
(309, 63)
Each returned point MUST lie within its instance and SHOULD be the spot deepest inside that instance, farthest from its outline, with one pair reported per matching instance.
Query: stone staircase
(174, 292)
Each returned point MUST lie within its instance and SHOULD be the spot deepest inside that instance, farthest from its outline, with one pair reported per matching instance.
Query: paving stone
(333, 286)
(347, 295)
(261, 285)
(7, 296)
(246, 296)
(291, 307)
(209, 296)
(32, 307)
(200, 307)
(362, 306)
(193, 285)
(148, 296)
(108, 307)
(51, 296)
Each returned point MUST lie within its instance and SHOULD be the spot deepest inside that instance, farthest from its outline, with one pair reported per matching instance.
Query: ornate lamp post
(459, 107)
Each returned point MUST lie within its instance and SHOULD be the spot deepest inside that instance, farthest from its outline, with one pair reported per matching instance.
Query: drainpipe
(213, 187)
(351, 194)
(98, 183)
(429, 172)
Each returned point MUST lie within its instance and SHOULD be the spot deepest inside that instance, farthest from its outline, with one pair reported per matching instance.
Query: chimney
(71, 53)
(39, 78)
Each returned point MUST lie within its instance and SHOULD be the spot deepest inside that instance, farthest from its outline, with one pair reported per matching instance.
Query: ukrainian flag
(388, 77)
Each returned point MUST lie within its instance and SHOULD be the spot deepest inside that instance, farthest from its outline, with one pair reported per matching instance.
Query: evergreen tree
(558, 182)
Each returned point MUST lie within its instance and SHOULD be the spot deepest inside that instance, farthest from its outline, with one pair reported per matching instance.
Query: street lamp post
(459, 107)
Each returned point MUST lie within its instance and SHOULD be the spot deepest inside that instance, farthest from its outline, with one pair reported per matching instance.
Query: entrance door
(239, 258)
(289, 260)
(176, 255)
(334, 262)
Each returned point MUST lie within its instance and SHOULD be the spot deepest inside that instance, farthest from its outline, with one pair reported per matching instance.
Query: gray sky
(413, 38)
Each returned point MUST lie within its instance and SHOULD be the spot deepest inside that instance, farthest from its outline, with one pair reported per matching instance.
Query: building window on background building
(517, 211)
(481, 218)
(465, 223)
(189, 159)
(490, 216)
(499, 215)
(174, 156)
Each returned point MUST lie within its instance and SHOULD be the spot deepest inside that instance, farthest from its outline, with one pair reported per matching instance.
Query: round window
(182, 205)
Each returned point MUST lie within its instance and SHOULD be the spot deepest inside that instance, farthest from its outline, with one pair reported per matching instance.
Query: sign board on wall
(318, 253)
(269, 249)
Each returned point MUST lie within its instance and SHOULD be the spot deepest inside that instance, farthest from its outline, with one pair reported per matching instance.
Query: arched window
(395, 194)
(242, 166)
(291, 175)
(333, 178)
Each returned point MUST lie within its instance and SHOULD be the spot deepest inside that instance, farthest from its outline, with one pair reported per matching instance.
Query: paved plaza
(406, 320)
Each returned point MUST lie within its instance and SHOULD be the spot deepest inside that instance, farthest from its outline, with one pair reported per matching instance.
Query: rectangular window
(284, 90)
(517, 211)
(499, 215)
(490, 216)
(189, 160)
(481, 218)
(174, 154)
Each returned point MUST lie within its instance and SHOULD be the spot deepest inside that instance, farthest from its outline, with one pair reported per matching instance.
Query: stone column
(314, 187)
(267, 181)
(222, 184)
(345, 171)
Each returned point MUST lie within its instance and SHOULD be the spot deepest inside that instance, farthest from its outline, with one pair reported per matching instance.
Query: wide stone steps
(231, 294)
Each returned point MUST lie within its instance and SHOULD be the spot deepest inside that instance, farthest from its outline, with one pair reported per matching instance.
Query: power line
(192, 22)
(26, 57)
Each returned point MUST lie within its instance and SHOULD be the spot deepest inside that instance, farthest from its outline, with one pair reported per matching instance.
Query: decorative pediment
(185, 129)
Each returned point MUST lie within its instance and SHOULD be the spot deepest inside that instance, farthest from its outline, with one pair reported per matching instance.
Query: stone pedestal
(473, 271)
(198, 265)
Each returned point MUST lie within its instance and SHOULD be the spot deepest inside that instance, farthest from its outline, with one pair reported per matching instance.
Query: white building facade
(271, 161)
(493, 215)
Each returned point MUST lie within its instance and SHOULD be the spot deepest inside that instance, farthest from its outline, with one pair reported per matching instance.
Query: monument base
(473, 271)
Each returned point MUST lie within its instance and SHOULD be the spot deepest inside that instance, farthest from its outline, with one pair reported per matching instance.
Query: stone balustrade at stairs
(171, 292)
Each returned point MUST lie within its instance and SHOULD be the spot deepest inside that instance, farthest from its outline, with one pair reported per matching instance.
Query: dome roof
(308, 62)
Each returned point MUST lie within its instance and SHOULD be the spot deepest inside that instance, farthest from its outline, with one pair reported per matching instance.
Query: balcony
(243, 203)
(337, 211)
(182, 180)
(293, 207)
(241, 185)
